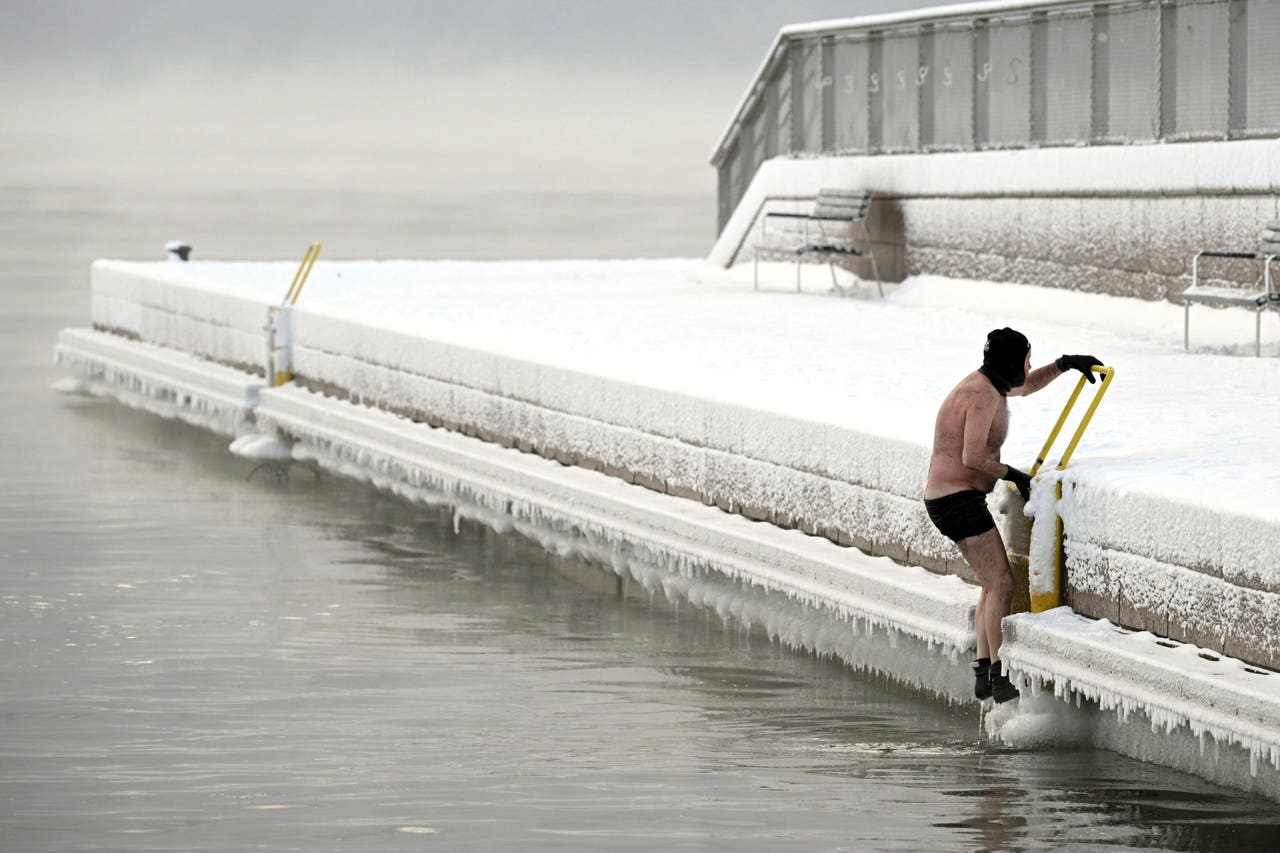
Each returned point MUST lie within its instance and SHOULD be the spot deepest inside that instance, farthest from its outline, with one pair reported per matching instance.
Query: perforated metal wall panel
(1133, 60)
(850, 86)
(899, 76)
(746, 156)
(1199, 63)
(1009, 83)
(951, 84)
(738, 176)
(725, 202)
(1067, 78)
(757, 130)
(1261, 43)
(780, 91)
(828, 94)
(806, 96)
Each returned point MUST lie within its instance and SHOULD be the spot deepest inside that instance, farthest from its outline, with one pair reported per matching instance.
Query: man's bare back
(973, 399)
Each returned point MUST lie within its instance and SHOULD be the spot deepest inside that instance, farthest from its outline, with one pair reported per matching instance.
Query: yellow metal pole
(300, 277)
(1105, 383)
(1057, 428)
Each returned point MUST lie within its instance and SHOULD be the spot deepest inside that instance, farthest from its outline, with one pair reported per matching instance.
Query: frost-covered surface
(169, 307)
(157, 380)
(1042, 575)
(1197, 168)
(657, 345)
(1174, 687)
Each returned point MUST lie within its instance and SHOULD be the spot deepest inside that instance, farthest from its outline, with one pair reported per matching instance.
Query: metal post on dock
(1048, 582)
(279, 328)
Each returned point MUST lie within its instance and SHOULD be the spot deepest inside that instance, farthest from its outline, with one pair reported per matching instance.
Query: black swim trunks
(961, 514)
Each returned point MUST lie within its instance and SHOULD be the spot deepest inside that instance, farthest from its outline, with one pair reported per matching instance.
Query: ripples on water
(194, 661)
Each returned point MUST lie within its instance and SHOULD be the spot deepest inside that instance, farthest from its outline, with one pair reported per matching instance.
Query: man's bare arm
(1042, 376)
(1037, 379)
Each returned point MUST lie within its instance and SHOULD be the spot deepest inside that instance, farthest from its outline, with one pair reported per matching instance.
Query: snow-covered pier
(674, 426)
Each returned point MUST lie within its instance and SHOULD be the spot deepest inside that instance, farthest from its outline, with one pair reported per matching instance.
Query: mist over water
(190, 659)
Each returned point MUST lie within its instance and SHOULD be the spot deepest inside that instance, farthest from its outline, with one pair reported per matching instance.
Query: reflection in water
(993, 827)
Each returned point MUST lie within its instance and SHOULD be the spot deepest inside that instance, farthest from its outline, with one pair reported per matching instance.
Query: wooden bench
(831, 205)
(1259, 297)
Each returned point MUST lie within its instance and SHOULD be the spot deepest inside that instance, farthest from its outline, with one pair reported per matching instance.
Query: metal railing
(279, 328)
(1008, 75)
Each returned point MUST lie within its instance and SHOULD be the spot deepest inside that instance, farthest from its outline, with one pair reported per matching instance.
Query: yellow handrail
(1105, 383)
(300, 277)
(1042, 601)
(1107, 373)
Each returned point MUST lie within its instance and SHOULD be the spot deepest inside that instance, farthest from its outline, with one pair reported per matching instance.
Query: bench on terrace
(1259, 297)
(831, 206)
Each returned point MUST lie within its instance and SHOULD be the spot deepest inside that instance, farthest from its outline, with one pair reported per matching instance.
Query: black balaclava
(1004, 359)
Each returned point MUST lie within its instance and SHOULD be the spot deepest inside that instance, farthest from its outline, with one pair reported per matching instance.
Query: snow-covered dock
(809, 412)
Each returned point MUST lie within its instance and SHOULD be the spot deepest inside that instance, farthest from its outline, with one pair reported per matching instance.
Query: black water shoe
(1002, 689)
(981, 677)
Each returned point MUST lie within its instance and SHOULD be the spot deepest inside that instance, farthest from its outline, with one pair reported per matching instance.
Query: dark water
(194, 661)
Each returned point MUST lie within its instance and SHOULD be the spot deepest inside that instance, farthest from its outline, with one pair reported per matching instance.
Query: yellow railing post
(300, 277)
(280, 325)
(1049, 599)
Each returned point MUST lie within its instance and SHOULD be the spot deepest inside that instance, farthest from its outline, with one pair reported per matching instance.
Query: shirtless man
(964, 468)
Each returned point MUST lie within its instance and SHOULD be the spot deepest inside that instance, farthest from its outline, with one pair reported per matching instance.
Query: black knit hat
(1004, 359)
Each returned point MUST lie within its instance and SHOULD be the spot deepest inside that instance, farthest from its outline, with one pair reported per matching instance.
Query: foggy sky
(490, 94)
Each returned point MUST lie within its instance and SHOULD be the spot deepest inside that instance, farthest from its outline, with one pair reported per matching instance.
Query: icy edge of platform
(158, 380)
(1182, 691)
(614, 516)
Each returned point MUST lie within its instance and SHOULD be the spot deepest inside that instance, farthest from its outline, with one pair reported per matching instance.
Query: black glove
(1020, 479)
(1082, 363)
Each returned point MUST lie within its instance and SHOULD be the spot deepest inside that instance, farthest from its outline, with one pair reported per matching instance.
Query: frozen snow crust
(1149, 698)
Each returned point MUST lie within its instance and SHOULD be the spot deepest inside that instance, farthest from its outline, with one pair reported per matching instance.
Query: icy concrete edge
(1175, 684)
(159, 380)
(933, 608)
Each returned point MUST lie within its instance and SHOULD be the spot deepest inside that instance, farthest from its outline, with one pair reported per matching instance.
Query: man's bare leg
(985, 554)
(980, 626)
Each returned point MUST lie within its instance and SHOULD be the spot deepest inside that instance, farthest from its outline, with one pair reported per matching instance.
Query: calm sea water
(192, 660)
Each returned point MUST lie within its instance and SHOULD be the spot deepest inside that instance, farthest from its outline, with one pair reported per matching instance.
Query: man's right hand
(1082, 363)
(1020, 479)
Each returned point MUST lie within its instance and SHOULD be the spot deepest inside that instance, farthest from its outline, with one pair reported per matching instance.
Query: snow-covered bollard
(279, 345)
(178, 250)
(1044, 555)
